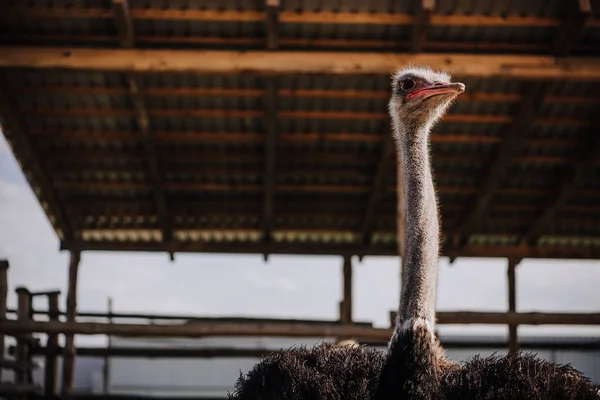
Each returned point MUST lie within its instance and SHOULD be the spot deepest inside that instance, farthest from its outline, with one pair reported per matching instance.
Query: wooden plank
(289, 330)
(477, 96)
(576, 14)
(514, 140)
(69, 354)
(380, 186)
(483, 251)
(123, 22)
(23, 357)
(346, 307)
(272, 24)
(283, 62)
(51, 364)
(17, 389)
(424, 10)
(4, 265)
(568, 183)
(151, 156)
(306, 17)
(270, 143)
(513, 341)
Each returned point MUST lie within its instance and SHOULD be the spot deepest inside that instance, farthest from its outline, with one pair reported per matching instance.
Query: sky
(284, 287)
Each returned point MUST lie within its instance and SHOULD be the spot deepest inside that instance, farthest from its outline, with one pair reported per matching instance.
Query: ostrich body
(415, 366)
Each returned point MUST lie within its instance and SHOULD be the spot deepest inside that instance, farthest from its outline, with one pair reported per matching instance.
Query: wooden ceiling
(251, 127)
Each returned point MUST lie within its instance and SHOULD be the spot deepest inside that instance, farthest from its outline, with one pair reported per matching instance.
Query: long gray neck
(419, 285)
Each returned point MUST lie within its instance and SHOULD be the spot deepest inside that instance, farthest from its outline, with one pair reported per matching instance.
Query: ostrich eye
(407, 84)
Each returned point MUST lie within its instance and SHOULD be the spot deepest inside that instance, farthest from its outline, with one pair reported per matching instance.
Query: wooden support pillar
(346, 309)
(424, 9)
(3, 295)
(50, 372)
(106, 369)
(69, 350)
(24, 340)
(513, 341)
(272, 24)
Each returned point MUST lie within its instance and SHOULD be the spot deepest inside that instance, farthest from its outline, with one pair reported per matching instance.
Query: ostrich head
(420, 96)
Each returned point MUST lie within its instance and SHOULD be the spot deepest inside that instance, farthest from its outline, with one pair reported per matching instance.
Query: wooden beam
(272, 24)
(3, 297)
(475, 96)
(514, 140)
(270, 143)
(123, 22)
(151, 156)
(346, 307)
(226, 352)
(68, 367)
(284, 62)
(51, 365)
(380, 186)
(576, 14)
(424, 9)
(513, 341)
(23, 357)
(106, 366)
(290, 329)
(304, 17)
(568, 183)
(15, 131)
(351, 248)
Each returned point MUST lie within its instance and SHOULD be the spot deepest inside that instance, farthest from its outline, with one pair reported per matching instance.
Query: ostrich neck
(418, 297)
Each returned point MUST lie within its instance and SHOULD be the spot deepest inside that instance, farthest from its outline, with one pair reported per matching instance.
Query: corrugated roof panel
(356, 32)
(59, 26)
(492, 7)
(80, 123)
(147, 28)
(472, 35)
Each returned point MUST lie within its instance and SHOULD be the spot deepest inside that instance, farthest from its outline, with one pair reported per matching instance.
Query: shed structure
(251, 126)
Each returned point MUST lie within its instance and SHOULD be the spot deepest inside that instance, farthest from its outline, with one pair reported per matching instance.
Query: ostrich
(415, 366)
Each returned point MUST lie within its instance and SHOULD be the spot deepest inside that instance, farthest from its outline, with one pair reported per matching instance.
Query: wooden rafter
(517, 251)
(307, 17)
(575, 17)
(151, 156)
(568, 184)
(380, 187)
(272, 24)
(15, 131)
(424, 9)
(473, 96)
(124, 23)
(514, 139)
(284, 62)
(270, 141)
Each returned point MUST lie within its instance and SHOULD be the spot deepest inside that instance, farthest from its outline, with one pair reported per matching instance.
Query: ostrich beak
(438, 88)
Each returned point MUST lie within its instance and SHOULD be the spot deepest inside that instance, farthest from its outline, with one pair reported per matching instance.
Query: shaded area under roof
(301, 164)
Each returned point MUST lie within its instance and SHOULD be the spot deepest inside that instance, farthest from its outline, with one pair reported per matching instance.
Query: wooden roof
(252, 127)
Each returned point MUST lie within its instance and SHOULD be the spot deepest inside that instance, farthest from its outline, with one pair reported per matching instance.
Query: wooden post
(3, 294)
(106, 369)
(346, 310)
(50, 372)
(513, 342)
(22, 356)
(69, 351)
